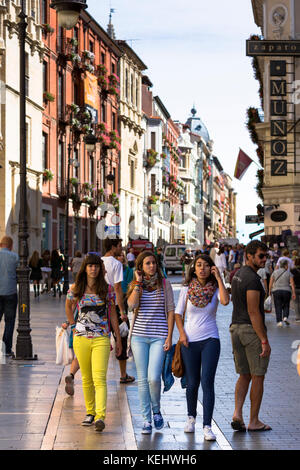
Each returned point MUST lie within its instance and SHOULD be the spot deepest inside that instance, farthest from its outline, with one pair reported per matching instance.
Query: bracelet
(138, 283)
(265, 342)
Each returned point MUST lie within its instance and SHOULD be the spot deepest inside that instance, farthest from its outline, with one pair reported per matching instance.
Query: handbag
(268, 304)
(64, 354)
(177, 362)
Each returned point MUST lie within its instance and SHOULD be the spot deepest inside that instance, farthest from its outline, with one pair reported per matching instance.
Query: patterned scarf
(150, 283)
(201, 296)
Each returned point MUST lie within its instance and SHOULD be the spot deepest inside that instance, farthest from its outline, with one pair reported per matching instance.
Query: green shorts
(247, 348)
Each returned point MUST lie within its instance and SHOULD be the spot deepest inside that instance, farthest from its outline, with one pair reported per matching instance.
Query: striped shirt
(151, 319)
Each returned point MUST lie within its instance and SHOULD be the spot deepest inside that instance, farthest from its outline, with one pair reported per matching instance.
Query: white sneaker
(190, 424)
(208, 434)
(286, 321)
(280, 323)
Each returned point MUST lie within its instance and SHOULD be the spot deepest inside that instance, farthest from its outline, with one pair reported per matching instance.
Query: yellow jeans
(93, 356)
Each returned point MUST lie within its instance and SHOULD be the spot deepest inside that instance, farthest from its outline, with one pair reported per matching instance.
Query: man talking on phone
(249, 338)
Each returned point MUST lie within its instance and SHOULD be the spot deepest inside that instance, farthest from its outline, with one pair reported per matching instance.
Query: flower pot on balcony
(47, 96)
(47, 176)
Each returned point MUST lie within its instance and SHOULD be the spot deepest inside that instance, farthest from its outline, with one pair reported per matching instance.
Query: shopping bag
(268, 304)
(124, 331)
(64, 354)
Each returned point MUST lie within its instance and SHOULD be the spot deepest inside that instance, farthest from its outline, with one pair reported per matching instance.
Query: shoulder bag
(177, 362)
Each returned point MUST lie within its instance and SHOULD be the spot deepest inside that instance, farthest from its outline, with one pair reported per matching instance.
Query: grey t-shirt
(281, 280)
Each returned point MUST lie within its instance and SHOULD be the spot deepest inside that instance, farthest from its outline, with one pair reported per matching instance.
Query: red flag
(242, 164)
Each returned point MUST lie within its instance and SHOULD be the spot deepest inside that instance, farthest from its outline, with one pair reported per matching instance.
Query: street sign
(253, 219)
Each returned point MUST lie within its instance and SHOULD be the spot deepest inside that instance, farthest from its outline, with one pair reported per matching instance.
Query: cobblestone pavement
(35, 412)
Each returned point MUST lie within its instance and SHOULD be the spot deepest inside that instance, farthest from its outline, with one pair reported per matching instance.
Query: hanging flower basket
(47, 176)
(47, 29)
(47, 96)
(74, 181)
(153, 200)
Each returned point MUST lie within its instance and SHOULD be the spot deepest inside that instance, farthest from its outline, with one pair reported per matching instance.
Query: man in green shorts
(249, 339)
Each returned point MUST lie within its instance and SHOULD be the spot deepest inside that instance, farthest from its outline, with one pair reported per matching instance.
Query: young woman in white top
(200, 349)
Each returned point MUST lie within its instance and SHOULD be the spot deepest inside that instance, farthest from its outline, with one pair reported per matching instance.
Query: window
(26, 74)
(45, 150)
(91, 46)
(91, 168)
(115, 181)
(113, 67)
(60, 39)
(60, 93)
(153, 185)
(76, 93)
(132, 88)
(183, 161)
(61, 160)
(45, 76)
(103, 58)
(137, 93)
(76, 163)
(76, 236)
(76, 36)
(44, 15)
(126, 84)
(171, 252)
(114, 120)
(103, 112)
(132, 174)
(103, 175)
(153, 140)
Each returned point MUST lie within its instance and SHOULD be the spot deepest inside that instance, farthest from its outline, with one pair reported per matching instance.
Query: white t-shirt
(200, 323)
(263, 276)
(114, 270)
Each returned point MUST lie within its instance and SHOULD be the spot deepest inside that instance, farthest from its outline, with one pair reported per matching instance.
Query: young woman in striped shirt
(151, 334)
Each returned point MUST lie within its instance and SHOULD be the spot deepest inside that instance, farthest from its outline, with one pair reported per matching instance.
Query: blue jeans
(8, 308)
(149, 358)
(200, 362)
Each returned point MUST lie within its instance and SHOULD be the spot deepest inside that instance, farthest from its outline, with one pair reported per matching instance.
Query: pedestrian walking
(8, 291)
(46, 271)
(151, 333)
(160, 259)
(199, 336)
(187, 259)
(296, 273)
(114, 277)
(56, 271)
(285, 257)
(96, 309)
(282, 286)
(35, 264)
(127, 279)
(249, 338)
(131, 257)
(76, 263)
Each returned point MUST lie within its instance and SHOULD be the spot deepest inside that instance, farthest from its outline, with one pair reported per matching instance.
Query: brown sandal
(127, 379)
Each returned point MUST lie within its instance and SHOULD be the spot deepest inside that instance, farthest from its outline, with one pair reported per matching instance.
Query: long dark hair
(139, 267)
(192, 271)
(81, 278)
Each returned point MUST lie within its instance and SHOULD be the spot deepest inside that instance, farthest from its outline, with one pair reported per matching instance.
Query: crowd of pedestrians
(106, 288)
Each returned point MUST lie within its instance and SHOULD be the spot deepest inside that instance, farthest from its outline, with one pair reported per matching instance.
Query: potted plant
(87, 187)
(47, 29)
(74, 182)
(47, 96)
(74, 108)
(47, 175)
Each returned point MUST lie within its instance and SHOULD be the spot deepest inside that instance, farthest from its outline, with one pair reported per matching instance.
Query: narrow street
(35, 412)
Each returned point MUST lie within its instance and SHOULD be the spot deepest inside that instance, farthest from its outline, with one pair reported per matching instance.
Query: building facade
(10, 121)
(278, 71)
(81, 97)
(131, 131)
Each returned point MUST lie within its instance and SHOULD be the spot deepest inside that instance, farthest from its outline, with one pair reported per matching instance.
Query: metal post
(24, 344)
(66, 250)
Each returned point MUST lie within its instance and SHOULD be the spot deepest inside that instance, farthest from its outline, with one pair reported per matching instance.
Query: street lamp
(23, 344)
(68, 11)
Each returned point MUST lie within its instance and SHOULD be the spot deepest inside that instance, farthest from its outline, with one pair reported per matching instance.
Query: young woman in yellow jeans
(96, 309)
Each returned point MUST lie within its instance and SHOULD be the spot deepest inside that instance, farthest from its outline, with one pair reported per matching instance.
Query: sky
(195, 51)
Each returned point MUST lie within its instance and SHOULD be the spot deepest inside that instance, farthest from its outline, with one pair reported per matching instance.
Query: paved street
(35, 412)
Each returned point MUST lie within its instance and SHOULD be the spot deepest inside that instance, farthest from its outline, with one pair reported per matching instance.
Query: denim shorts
(247, 348)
